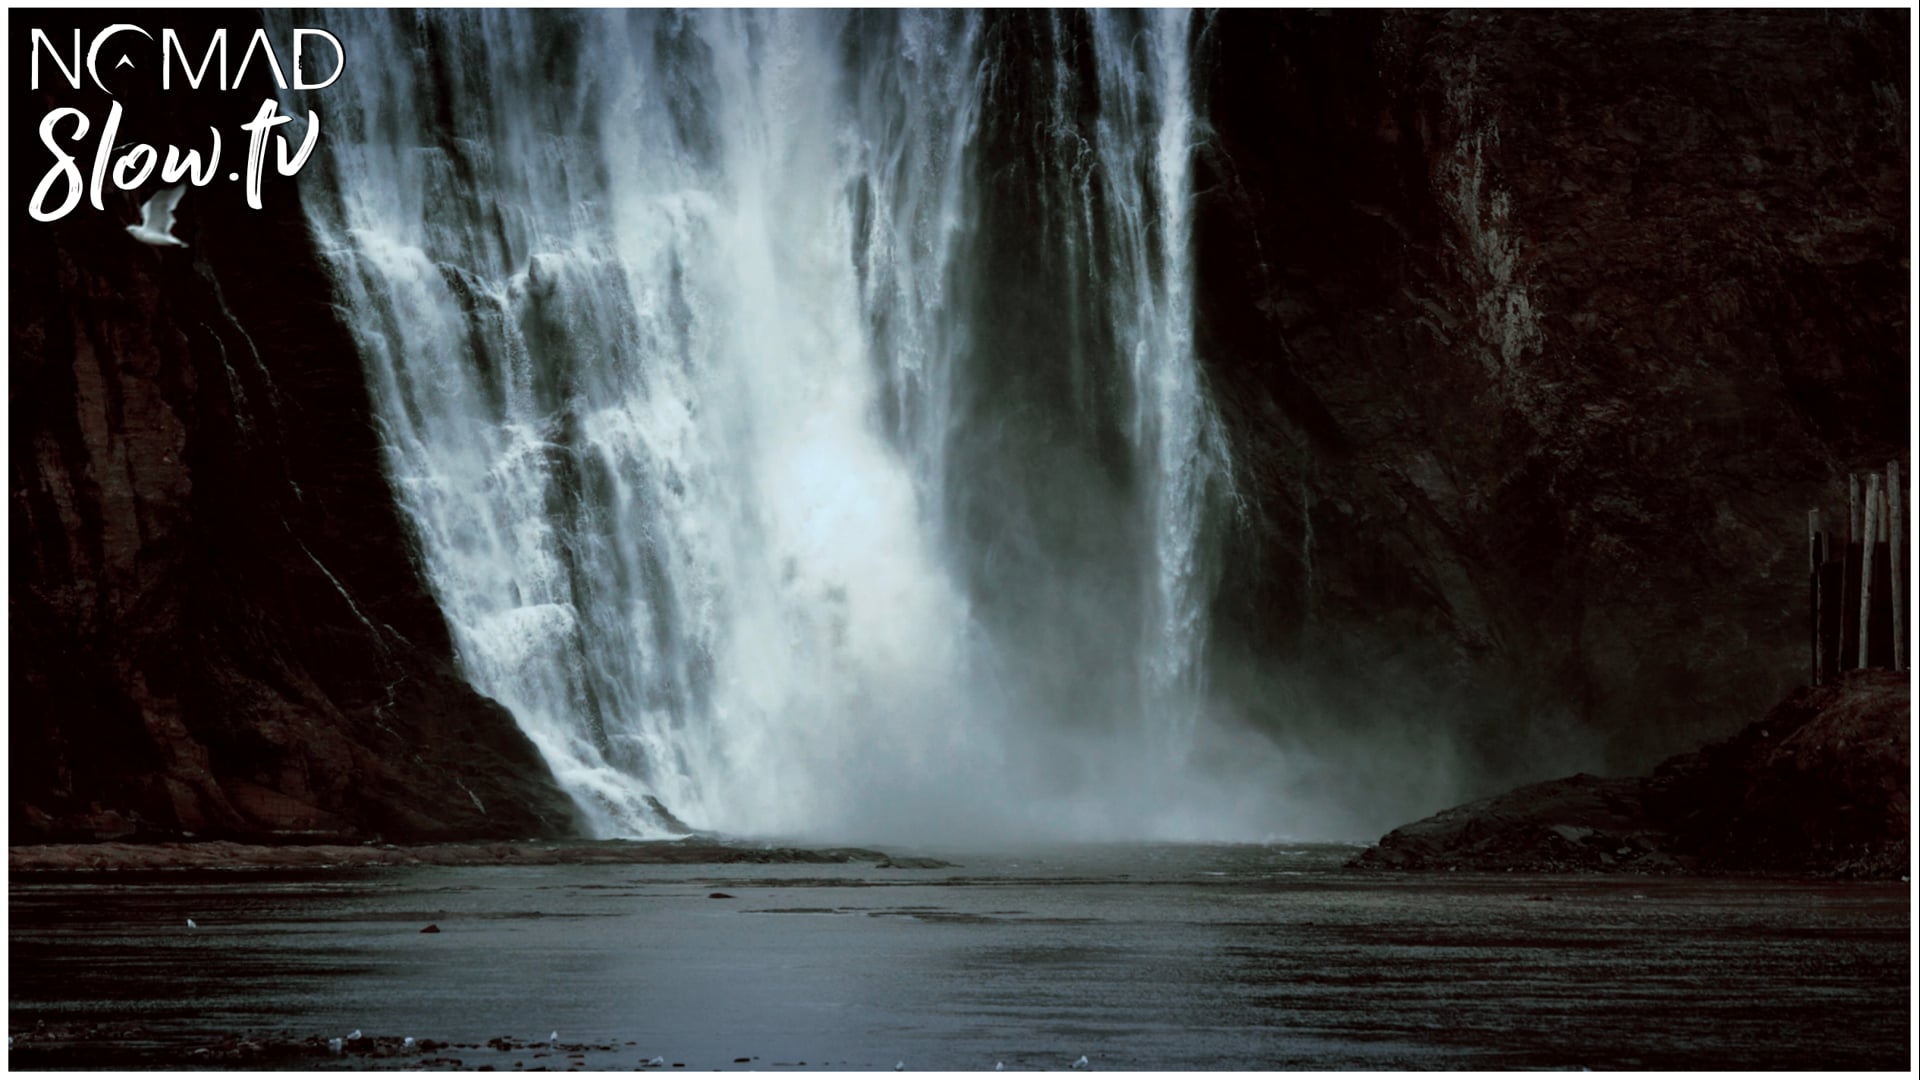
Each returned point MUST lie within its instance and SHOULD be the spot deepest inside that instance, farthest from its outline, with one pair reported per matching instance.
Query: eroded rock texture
(1539, 334)
(215, 624)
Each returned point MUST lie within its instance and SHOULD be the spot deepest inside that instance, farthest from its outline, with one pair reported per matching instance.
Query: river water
(1138, 957)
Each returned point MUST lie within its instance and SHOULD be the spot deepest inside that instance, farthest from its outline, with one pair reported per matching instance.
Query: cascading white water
(669, 321)
(1146, 126)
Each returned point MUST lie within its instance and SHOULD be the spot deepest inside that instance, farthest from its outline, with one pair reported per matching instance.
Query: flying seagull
(156, 218)
(191, 925)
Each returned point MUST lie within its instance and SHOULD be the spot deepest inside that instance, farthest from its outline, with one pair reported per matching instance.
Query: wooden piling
(1833, 612)
(1882, 654)
(1896, 521)
(1869, 535)
(1815, 556)
(1847, 633)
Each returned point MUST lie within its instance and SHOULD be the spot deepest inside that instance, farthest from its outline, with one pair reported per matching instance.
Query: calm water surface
(1188, 957)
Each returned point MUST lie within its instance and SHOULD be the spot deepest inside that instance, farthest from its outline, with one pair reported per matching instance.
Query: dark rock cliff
(215, 624)
(1539, 333)
(1536, 333)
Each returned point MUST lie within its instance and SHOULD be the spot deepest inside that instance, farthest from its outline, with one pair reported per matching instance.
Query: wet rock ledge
(227, 855)
(1819, 787)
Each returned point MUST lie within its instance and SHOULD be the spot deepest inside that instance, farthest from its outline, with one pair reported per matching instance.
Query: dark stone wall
(216, 625)
(1550, 327)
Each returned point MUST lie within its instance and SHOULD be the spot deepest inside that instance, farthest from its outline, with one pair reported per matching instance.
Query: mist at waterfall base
(799, 418)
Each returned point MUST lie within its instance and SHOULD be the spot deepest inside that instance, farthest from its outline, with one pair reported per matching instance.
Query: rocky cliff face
(215, 624)
(1539, 334)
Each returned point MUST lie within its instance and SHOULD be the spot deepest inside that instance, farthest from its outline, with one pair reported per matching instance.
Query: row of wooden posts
(1857, 580)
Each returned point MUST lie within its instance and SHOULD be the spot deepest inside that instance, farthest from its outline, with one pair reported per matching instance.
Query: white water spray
(663, 317)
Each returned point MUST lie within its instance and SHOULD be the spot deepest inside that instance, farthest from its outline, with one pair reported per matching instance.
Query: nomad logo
(123, 46)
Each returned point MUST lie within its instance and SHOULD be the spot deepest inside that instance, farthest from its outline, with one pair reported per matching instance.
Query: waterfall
(1147, 126)
(797, 413)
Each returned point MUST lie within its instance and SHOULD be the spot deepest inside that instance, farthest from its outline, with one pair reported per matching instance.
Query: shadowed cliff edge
(1538, 334)
(215, 626)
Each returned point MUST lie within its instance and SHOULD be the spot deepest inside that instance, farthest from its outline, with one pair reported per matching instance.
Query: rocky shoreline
(228, 855)
(1817, 788)
(79, 1046)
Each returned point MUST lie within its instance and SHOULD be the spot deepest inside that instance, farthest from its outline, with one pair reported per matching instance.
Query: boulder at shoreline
(1819, 787)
